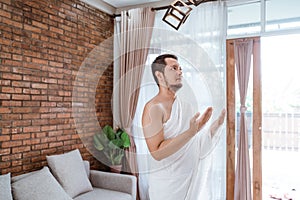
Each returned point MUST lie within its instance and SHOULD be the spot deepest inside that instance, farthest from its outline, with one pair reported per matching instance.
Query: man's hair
(159, 64)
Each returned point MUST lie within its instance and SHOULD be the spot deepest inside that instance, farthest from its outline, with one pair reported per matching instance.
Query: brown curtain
(135, 35)
(242, 52)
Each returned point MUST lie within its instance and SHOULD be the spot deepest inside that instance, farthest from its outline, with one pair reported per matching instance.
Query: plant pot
(116, 168)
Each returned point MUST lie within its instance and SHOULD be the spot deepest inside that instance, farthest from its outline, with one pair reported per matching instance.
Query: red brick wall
(43, 44)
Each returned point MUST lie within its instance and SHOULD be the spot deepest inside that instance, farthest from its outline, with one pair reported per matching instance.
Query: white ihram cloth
(179, 176)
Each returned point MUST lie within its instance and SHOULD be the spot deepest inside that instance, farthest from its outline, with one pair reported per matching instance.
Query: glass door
(281, 116)
(253, 119)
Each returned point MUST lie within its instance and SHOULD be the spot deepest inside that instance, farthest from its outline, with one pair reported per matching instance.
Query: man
(170, 129)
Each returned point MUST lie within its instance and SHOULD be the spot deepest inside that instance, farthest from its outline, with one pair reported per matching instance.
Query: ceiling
(115, 6)
(125, 3)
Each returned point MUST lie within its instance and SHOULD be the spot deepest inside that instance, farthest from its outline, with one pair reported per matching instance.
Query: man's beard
(175, 87)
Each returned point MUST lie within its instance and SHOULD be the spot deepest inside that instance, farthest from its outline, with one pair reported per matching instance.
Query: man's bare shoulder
(152, 119)
(154, 103)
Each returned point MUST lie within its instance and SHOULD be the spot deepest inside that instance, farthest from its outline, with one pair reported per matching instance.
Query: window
(244, 19)
(260, 17)
(282, 15)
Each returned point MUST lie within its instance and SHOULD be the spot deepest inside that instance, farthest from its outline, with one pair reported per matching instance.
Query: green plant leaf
(125, 139)
(107, 155)
(118, 134)
(109, 132)
(111, 135)
(101, 138)
(111, 145)
(117, 142)
(118, 159)
(97, 143)
(106, 128)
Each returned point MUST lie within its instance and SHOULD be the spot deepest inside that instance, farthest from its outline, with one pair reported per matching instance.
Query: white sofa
(60, 181)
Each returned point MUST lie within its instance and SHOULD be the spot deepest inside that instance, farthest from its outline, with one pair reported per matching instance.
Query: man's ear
(159, 75)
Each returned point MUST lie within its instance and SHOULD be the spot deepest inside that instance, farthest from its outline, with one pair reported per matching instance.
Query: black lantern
(177, 14)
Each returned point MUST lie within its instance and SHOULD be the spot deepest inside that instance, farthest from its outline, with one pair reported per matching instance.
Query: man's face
(173, 74)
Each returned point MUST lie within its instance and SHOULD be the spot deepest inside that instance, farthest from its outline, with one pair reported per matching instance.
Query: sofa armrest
(118, 182)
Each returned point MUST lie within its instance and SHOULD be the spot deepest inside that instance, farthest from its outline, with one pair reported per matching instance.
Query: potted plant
(112, 143)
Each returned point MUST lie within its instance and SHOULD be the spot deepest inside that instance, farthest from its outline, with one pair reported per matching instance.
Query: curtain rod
(166, 7)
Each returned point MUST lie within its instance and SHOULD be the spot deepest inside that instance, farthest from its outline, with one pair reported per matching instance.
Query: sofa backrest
(85, 162)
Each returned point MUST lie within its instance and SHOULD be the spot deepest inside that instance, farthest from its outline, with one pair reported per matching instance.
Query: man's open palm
(204, 118)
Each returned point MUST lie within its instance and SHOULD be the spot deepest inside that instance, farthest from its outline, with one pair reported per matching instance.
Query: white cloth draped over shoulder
(180, 176)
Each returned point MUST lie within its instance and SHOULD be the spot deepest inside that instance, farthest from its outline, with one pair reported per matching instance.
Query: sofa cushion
(87, 167)
(19, 177)
(69, 170)
(5, 188)
(37, 186)
(85, 162)
(99, 194)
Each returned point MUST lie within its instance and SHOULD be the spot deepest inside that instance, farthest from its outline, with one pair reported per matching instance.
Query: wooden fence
(281, 131)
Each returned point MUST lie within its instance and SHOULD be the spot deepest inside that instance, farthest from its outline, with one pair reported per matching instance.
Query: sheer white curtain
(199, 44)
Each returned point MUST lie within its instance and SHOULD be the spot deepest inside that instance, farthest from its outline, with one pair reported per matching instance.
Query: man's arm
(152, 122)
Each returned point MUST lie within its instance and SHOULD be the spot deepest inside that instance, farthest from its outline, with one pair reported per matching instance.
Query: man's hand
(216, 124)
(197, 123)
